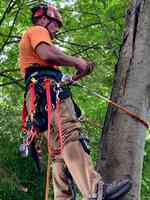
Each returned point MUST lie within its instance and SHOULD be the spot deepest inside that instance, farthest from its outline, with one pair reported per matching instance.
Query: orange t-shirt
(29, 41)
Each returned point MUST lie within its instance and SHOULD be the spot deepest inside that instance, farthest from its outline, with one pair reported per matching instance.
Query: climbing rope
(131, 114)
(49, 111)
(52, 151)
(74, 81)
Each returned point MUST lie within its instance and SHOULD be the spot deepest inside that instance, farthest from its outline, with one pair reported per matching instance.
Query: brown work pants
(73, 157)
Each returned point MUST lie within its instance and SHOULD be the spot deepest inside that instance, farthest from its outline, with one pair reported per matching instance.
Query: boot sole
(121, 192)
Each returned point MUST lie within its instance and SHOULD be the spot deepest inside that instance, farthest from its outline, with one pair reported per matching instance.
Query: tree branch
(79, 28)
(10, 32)
(9, 70)
(12, 36)
(9, 7)
(12, 80)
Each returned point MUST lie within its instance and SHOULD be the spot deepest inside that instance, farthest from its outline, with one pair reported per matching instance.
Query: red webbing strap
(32, 107)
(24, 117)
(49, 112)
(59, 128)
(32, 98)
(30, 133)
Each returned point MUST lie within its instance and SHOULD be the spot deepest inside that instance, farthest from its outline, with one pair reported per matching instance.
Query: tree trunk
(123, 138)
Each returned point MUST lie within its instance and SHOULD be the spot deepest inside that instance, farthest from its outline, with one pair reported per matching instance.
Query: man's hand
(83, 66)
(91, 66)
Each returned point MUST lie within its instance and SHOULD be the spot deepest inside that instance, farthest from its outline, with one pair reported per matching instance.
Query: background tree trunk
(123, 138)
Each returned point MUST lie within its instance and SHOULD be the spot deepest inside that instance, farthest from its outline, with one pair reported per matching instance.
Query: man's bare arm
(54, 55)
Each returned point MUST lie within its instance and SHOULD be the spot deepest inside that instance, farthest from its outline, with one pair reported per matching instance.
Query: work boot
(112, 191)
(117, 189)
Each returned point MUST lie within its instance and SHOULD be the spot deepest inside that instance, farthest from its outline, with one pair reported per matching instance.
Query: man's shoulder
(33, 30)
(36, 28)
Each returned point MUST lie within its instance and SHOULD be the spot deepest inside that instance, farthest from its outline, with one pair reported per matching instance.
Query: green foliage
(92, 29)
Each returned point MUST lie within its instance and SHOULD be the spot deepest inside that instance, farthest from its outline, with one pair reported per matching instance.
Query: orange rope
(72, 80)
(58, 119)
(49, 111)
(134, 115)
(30, 133)
(48, 176)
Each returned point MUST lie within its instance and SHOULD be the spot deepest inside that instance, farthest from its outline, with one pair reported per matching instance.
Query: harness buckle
(34, 80)
(58, 90)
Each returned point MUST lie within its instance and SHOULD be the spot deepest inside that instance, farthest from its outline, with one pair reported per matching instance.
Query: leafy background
(92, 29)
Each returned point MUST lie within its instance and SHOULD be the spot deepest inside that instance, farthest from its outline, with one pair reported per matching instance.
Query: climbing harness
(52, 87)
(45, 95)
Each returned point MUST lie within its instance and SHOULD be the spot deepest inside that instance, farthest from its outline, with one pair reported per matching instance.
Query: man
(38, 54)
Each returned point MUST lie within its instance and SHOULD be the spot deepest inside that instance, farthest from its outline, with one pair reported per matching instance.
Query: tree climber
(39, 61)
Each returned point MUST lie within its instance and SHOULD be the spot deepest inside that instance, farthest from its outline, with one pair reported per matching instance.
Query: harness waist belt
(38, 71)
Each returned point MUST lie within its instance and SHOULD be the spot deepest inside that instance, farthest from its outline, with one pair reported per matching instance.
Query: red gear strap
(32, 98)
(24, 117)
(30, 133)
(49, 113)
(59, 129)
(58, 120)
(32, 107)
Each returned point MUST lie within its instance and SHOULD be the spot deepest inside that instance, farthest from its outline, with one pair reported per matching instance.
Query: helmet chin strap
(46, 26)
(48, 23)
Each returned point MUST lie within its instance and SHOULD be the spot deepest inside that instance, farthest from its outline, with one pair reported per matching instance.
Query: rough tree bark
(123, 138)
